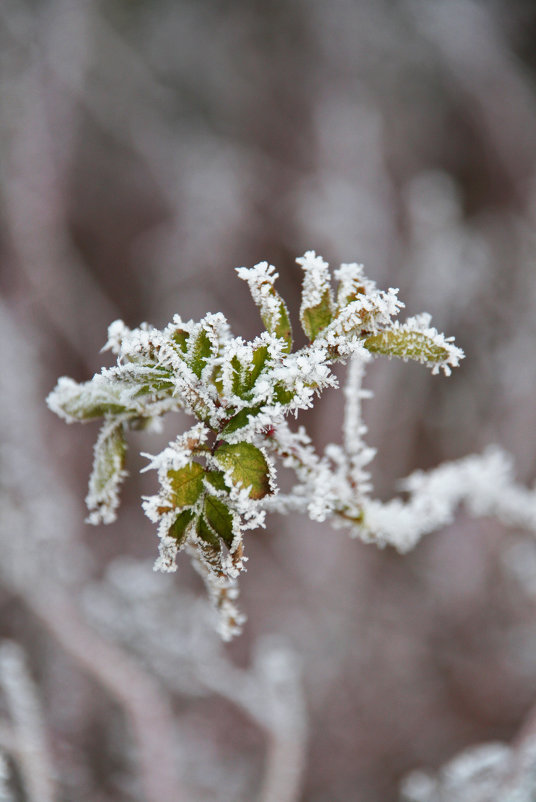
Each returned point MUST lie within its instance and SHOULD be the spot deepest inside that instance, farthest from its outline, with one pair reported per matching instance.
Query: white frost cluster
(316, 279)
(260, 280)
(420, 324)
(360, 318)
(483, 483)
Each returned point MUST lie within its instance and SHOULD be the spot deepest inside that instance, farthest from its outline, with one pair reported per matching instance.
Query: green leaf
(217, 480)
(257, 363)
(83, 409)
(273, 310)
(316, 318)
(180, 338)
(179, 525)
(240, 420)
(279, 324)
(205, 533)
(186, 484)
(200, 351)
(156, 387)
(349, 291)
(216, 379)
(107, 473)
(236, 383)
(282, 394)
(219, 517)
(245, 375)
(407, 344)
(85, 401)
(248, 466)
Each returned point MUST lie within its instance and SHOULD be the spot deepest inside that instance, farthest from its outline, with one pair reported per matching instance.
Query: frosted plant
(218, 479)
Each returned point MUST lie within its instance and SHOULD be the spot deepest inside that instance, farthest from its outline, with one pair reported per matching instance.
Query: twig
(24, 706)
(145, 705)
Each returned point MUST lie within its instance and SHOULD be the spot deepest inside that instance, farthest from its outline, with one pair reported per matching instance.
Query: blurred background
(147, 147)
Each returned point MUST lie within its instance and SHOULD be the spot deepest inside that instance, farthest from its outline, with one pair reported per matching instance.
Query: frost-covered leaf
(417, 340)
(406, 345)
(81, 402)
(240, 420)
(219, 517)
(282, 395)
(207, 534)
(122, 390)
(180, 338)
(217, 480)
(200, 350)
(178, 528)
(258, 362)
(274, 313)
(316, 318)
(367, 315)
(352, 284)
(248, 467)
(186, 484)
(249, 374)
(107, 475)
(316, 311)
(151, 381)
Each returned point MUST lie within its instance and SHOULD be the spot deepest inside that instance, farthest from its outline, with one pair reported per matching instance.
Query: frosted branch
(483, 483)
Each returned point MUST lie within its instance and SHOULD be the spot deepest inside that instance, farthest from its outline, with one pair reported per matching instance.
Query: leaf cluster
(218, 479)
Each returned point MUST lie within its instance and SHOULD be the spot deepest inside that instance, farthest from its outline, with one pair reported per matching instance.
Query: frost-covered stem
(353, 428)
(484, 483)
(145, 705)
(24, 707)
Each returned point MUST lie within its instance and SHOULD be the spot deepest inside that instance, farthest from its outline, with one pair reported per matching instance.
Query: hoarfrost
(218, 479)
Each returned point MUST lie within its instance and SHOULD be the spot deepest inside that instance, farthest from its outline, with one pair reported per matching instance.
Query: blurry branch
(285, 705)
(35, 206)
(78, 39)
(7, 737)
(171, 632)
(40, 564)
(5, 793)
(271, 694)
(31, 747)
(500, 99)
(146, 707)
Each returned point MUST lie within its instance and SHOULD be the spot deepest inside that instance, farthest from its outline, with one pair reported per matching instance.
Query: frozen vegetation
(218, 479)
